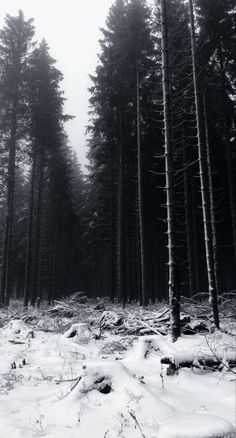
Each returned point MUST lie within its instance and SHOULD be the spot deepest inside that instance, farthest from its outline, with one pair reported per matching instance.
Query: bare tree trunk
(195, 237)
(203, 179)
(38, 226)
(7, 260)
(174, 293)
(211, 197)
(187, 210)
(120, 225)
(52, 285)
(30, 230)
(140, 193)
(113, 232)
(3, 268)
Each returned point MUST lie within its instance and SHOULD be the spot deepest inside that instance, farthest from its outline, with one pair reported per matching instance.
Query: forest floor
(95, 371)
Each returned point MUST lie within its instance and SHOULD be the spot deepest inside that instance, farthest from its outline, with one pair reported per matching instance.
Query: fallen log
(209, 362)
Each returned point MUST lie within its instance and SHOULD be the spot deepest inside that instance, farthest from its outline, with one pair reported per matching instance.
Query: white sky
(71, 29)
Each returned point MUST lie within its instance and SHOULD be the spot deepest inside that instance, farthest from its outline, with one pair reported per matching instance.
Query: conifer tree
(15, 44)
(203, 178)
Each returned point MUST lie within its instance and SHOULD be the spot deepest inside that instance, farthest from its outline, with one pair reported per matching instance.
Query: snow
(109, 386)
(80, 332)
(196, 426)
(17, 330)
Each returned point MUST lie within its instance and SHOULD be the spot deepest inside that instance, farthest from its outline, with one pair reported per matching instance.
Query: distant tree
(217, 34)
(48, 170)
(117, 135)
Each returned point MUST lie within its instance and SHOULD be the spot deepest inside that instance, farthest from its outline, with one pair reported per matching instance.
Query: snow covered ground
(108, 386)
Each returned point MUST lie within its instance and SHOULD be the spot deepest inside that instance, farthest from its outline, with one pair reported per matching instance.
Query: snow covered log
(204, 361)
(196, 355)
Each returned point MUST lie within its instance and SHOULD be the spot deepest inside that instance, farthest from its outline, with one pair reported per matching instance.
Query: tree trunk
(195, 236)
(174, 293)
(203, 179)
(120, 225)
(187, 211)
(113, 233)
(7, 258)
(140, 193)
(53, 270)
(30, 230)
(38, 226)
(211, 197)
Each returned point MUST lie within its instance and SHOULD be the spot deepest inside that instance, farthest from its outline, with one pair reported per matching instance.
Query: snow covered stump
(17, 331)
(80, 332)
(110, 395)
(196, 426)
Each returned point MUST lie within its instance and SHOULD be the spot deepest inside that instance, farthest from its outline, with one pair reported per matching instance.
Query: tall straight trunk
(7, 252)
(52, 283)
(211, 197)
(144, 297)
(187, 211)
(30, 230)
(38, 227)
(174, 293)
(120, 215)
(195, 236)
(227, 126)
(203, 179)
(113, 254)
(3, 269)
(113, 234)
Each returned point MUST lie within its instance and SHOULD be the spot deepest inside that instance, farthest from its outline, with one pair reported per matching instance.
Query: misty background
(72, 31)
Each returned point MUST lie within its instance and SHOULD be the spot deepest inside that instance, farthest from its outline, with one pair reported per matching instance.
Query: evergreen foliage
(143, 217)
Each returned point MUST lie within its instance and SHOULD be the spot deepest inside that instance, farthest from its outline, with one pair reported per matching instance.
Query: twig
(132, 414)
(218, 358)
(66, 380)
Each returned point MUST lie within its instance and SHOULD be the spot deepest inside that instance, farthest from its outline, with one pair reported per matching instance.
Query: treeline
(164, 217)
(41, 182)
(155, 217)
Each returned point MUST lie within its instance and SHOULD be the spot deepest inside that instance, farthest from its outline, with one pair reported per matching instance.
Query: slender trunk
(51, 293)
(140, 193)
(113, 234)
(203, 179)
(174, 292)
(195, 236)
(211, 197)
(3, 268)
(30, 230)
(38, 226)
(7, 260)
(187, 211)
(120, 246)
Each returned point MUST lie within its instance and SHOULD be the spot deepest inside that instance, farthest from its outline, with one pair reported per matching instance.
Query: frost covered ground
(95, 380)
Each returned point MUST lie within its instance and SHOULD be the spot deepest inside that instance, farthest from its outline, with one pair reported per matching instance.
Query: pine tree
(174, 292)
(217, 24)
(203, 178)
(113, 147)
(46, 132)
(15, 44)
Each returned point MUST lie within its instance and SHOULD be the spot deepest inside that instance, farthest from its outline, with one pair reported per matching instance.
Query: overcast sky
(71, 28)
